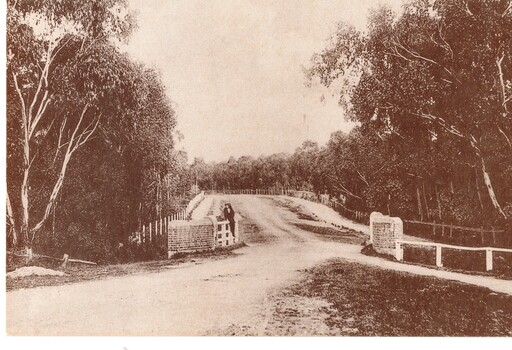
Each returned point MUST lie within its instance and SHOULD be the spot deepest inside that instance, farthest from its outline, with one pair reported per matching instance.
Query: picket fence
(159, 228)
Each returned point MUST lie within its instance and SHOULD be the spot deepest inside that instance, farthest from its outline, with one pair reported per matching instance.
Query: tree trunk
(24, 190)
(30, 256)
(10, 216)
(53, 197)
(486, 176)
(418, 195)
(157, 192)
(438, 203)
(490, 189)
(478, 190)
(425, 200)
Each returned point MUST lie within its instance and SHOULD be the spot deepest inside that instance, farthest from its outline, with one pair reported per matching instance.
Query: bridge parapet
(186, 236)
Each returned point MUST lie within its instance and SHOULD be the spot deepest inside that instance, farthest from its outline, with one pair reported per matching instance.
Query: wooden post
(451, 228)
(65, 261)
(439, 262)
(434, 228)
(488, 259)
(399, 252)
(493, 235)
(442, 229)
(482, 235)
(150, 229)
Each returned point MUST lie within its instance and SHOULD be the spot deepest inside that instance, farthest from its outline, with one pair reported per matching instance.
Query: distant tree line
(431, 92)
(90, 132)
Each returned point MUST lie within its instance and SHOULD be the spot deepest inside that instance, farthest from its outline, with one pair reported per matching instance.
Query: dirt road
(204, 297)
(192, 299)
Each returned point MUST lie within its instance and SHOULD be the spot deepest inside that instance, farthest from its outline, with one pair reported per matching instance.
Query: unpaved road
(192, 299)
(200, 298)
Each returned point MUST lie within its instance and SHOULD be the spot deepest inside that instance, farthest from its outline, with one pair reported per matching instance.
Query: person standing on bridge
(229, 214)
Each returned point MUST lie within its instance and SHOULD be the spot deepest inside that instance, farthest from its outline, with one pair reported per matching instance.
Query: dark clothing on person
(232, 227)
(229, 214)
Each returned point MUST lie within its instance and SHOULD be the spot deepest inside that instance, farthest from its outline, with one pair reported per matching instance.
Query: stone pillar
(373, 215)
(385, 232)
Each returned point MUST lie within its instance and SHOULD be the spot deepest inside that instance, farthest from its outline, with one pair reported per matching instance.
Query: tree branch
(417, 55)
(441, 122)
(505, 136)
(507, 10)
(42, 79)
(60, 180)
(87, 133)
(362, 178)
(465, 8)
(22, 100)
(42, 108)
(504, 97)
(11, 220)
(63, 125)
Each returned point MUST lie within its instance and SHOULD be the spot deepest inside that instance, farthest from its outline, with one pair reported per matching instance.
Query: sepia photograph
(216, 169)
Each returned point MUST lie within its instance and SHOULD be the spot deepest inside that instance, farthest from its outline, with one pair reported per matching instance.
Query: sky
(234, 70)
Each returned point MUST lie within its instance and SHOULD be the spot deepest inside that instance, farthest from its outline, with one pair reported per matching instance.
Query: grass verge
(369, 301)
(342, 236)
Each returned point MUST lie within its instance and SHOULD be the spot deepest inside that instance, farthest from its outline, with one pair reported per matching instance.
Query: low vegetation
(369, 301)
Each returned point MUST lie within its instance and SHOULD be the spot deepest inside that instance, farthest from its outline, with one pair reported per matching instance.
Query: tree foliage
(89, 131)
(435, 83)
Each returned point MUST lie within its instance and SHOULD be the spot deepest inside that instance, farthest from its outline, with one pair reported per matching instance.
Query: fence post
(439, 262)
(150, 229)
(488, 259)
(65, 259)
(399, 252)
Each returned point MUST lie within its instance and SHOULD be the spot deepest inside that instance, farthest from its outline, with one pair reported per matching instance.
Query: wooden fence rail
(399, 251)
(443, 225)
(447, 231)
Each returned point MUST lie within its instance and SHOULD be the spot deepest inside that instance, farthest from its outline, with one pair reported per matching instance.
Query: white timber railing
(399, 251)
(194, 203)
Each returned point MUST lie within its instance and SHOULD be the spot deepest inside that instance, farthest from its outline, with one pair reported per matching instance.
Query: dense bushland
(90, 132)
